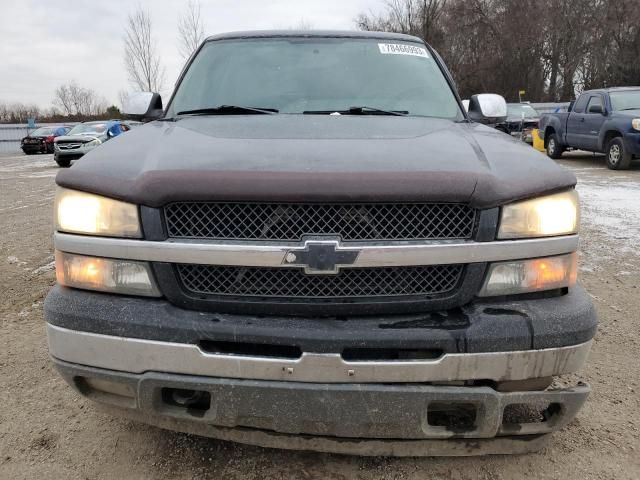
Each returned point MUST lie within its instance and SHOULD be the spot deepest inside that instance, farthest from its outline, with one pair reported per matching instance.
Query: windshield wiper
(229, 110)
(631, 108)
(359, 111)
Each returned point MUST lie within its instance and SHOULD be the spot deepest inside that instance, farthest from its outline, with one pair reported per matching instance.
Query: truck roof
(611, 89)
(314, 33)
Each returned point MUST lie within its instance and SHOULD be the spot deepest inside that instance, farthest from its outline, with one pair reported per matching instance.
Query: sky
(44, 43)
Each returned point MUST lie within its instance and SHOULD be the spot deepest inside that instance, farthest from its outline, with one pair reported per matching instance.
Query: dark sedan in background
(522, 119)
(41, 140)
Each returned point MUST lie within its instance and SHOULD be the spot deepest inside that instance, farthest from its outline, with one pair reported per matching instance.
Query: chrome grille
(291, 222)
(290, 283)
(68, 146)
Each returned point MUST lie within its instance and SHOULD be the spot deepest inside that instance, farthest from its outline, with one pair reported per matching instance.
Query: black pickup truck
(605, 121)
(314, 247)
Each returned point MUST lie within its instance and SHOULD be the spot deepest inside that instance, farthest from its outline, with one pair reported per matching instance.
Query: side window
(581, 104)
(596, 101)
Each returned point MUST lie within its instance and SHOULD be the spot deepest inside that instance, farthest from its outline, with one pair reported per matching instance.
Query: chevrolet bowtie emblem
(321, 257)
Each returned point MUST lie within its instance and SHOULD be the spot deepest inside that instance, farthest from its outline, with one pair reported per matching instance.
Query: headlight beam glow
(552, 215)
(85, 213)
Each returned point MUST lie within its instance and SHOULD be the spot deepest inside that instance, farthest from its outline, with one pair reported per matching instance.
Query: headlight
(557, 214)
(105, 275)
(79, 212)
(635, 123)
(93, 143)
(526, 276)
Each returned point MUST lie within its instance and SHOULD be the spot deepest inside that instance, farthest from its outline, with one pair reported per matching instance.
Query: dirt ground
(47, 431)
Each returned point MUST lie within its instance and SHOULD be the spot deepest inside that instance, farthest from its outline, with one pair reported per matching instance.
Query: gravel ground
(47, 431)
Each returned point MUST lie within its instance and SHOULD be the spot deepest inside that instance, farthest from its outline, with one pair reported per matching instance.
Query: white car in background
(85, 137)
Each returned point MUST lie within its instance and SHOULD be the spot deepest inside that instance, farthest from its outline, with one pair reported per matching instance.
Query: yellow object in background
(538, 142)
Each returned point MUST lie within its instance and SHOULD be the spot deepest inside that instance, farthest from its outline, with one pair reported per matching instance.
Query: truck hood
(635, 113)
(295, 158)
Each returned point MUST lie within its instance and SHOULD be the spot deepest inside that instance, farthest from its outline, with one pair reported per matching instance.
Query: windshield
(42, 132)
(629, 100)
(298, 75)
(88, 128)
(517, 110)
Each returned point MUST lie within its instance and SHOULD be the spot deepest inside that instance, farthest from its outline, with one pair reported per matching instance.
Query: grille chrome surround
(293, 283)
(292, 222)
(68, 146)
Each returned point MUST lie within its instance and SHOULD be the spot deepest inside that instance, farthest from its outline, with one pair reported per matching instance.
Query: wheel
(617, 156)
(554, 149)
(62, 163)
(29, 152)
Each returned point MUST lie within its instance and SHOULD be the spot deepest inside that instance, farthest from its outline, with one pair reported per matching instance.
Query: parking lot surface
(47, 431)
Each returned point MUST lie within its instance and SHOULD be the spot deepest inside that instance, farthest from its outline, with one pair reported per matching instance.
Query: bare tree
(141, 58)
(190, 29)
(77, 101)
(501, 46)
(414, 17)
(18, 112)
(63, 99)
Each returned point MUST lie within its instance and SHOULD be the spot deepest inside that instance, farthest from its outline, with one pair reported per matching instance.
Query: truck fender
(606, 134)
(549, 125)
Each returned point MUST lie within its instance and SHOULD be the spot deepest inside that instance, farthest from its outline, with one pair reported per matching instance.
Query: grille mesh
(294, 283)
(290, 222)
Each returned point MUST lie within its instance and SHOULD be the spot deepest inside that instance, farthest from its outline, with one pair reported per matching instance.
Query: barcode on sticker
(402, 49)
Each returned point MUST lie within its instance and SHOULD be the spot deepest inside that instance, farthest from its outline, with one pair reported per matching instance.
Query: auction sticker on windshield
(402, 49)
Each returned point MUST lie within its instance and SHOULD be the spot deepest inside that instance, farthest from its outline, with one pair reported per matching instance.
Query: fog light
(107, 386)
(525, 276)
(105, 275)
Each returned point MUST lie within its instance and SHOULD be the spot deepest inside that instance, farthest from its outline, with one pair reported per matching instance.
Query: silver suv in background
(85, 137)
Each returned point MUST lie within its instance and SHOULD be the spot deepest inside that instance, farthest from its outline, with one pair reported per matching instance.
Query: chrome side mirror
(143, 106)
(487, 108)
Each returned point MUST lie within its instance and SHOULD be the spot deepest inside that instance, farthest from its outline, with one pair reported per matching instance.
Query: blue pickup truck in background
(605, 121)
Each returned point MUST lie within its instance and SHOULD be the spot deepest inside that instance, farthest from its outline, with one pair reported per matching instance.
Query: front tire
(62, 163)
(618, 158)
(554, 150)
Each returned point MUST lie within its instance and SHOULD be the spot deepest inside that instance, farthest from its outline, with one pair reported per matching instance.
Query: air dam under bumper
(363, 419)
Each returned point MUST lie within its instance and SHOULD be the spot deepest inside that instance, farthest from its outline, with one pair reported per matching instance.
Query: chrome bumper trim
(274, 255)
(134, 355)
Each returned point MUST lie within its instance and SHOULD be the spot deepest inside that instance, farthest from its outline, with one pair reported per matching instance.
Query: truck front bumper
(632, 143)
(150, 361)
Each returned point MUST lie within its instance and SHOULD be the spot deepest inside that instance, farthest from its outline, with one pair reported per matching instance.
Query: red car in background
(41, 139)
